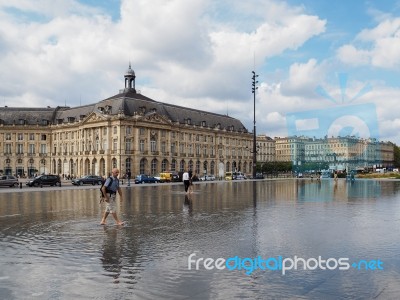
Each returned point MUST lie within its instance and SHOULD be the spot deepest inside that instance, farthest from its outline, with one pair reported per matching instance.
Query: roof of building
(27, 115)
(127, 102)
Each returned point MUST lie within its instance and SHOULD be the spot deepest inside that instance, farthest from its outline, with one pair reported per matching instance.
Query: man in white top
(186, 180)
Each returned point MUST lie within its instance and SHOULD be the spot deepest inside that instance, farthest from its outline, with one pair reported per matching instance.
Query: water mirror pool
(52, 246)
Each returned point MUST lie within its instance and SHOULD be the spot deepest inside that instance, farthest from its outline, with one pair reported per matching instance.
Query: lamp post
(254, 88)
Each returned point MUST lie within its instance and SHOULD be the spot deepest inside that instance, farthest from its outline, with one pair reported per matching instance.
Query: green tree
(396, 156)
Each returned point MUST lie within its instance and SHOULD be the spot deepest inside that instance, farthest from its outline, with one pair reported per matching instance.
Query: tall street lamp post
(254, 88)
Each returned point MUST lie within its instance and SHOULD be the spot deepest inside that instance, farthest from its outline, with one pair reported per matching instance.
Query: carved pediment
(93, 118)
(155, 118)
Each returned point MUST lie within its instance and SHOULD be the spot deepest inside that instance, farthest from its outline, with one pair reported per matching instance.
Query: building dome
(130, 79)
(129, 72)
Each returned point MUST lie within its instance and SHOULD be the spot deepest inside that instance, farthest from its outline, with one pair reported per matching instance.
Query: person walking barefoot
(110, 189)
(186, 180)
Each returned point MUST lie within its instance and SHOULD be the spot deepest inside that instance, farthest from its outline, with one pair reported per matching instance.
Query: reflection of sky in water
(53, 247)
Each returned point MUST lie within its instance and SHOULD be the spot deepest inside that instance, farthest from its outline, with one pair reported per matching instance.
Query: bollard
(41, 185)
(20, 185)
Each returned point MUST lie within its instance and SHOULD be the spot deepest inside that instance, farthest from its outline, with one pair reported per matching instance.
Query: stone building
(128, 131)
(341, 153)
(265, 148)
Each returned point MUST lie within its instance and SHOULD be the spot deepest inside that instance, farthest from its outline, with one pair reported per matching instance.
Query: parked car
(207, 178)
(88, 179)
(146, 179)
(228, 176)
(259, 176)
(166, 177)
(9, 180)
(45, 180)
(175, 177)
(240, 177)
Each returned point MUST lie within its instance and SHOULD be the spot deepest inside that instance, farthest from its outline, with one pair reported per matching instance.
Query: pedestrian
(186, 180)
(128, 176)
(110, 189)
(192, 177)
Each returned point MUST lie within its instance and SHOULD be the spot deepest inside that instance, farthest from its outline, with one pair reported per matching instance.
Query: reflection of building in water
(365, 189)
(47, 202)
(286, 189)
(321, 191)
(330, 190)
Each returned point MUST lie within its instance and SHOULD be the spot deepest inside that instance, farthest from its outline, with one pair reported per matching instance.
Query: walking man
(128, 176)
(110, 189)
(186, 180)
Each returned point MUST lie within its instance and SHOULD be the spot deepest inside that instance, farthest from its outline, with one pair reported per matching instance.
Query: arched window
(205, 167)
(182, 166)
(173, 165)
(190, 165)
(142, 166)
(128, 163)
(164, 165)
(154, 163)
(212, 167)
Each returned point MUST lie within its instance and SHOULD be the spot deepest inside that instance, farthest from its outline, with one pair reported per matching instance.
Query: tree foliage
(276, 167)
(396, 156)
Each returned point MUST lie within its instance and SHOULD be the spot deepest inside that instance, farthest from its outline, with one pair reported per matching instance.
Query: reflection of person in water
(112, 250)
(188, 204)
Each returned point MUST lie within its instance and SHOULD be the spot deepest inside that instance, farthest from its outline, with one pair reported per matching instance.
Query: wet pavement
(226, 240)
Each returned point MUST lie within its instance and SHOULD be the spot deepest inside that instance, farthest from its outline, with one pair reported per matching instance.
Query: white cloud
(379, 47)
(177, 47)
(303, 79)
(196, 55)
(353, 56)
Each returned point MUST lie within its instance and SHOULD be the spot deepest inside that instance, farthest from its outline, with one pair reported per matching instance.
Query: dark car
(88, 179)
(9, 180)
(45, 180)
(176, 177)
(259, 176)
(146, 179)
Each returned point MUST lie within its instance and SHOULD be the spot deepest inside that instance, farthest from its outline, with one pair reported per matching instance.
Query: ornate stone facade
(128, 131)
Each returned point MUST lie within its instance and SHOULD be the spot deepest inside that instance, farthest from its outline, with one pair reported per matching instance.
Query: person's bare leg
(103, 221)
(117, 219)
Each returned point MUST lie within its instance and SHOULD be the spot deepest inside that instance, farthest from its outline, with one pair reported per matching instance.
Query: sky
(330, 67)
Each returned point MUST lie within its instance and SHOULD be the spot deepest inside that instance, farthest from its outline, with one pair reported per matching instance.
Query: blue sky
(200, 54)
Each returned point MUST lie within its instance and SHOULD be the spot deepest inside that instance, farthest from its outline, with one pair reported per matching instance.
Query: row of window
(94, 134)
(20, 136)
(19, 149)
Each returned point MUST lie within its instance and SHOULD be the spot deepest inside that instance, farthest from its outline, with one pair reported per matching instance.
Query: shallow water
(53, 248)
